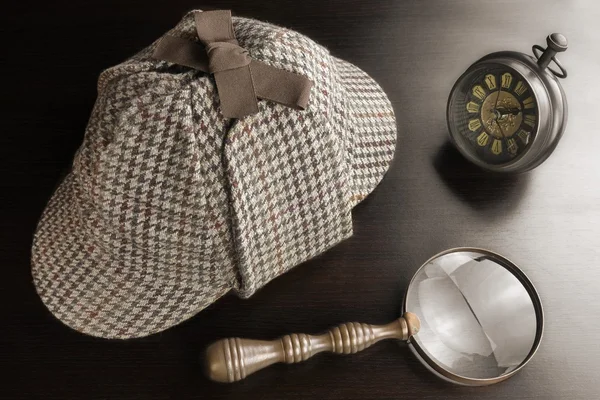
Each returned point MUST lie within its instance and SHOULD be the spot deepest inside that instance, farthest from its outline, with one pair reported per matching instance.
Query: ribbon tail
(236, 92)
(280, 86)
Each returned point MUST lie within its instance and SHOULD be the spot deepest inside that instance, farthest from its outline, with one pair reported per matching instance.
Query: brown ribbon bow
(240, 79)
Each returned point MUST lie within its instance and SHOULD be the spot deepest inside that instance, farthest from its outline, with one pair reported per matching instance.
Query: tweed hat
(169, 204)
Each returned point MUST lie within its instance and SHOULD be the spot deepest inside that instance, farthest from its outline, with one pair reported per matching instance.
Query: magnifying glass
(470, 315)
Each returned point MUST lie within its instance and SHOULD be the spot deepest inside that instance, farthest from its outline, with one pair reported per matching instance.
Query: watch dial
(493, 114)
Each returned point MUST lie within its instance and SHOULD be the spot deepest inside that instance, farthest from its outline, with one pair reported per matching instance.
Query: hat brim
(372, 131)
(101, 294)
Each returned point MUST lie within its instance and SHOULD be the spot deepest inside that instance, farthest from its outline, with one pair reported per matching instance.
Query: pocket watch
(507, 112)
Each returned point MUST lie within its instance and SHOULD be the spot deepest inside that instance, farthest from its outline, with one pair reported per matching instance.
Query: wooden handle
(232, 359)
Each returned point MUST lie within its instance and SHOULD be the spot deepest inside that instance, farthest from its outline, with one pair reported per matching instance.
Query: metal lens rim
(537, 304)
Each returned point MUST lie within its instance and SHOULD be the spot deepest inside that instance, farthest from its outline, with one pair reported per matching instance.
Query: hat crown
(151, 168)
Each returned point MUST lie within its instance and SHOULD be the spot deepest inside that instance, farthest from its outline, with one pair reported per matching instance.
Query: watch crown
(557, 42)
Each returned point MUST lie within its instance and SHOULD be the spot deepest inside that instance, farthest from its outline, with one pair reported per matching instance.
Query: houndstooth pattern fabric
(169, 205)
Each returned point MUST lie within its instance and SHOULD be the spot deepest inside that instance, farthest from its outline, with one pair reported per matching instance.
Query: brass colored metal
(232, 359)
(501, 124)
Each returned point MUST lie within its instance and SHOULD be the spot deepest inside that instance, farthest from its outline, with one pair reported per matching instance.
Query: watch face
(493, 114)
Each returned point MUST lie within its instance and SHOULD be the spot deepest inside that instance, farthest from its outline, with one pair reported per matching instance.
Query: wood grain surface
(547, 221)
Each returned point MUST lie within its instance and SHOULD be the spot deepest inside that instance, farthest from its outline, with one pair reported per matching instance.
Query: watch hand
(495, 111)
(503, 111)
(500, 127)
(497, 98)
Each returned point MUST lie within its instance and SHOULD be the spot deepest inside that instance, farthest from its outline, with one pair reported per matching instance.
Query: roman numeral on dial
(520, 88)
(490, 81)
(472, 107)
(512, 146)
(483, 139)
(529, 102)
(497, 147)
(506, 80)
(474, 124)
(529, 119)
(479, 92)
(524, 136)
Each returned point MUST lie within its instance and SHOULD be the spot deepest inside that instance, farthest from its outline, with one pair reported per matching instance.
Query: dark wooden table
(548, 220)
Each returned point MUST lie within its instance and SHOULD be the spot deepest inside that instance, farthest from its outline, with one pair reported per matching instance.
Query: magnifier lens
(478, 320)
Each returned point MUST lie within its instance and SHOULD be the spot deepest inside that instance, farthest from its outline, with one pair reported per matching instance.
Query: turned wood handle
(232, 359)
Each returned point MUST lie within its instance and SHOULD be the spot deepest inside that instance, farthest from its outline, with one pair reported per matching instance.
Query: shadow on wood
(482, 190)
